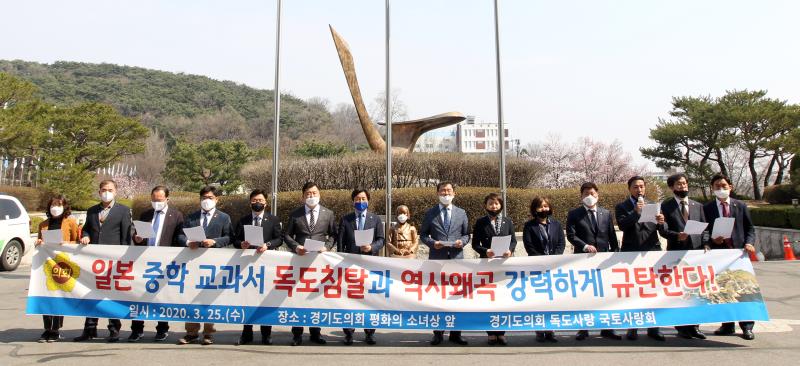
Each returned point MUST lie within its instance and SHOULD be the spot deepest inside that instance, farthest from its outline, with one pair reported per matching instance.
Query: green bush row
(781, 194)
(780, 216)
(418, 200)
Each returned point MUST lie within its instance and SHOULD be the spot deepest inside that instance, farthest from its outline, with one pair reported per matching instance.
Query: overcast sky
(605, 69)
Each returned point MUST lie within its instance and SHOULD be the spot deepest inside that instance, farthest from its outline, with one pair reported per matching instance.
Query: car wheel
(12, 255)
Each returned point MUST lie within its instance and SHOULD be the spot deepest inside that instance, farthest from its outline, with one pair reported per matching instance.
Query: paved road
(777, 342)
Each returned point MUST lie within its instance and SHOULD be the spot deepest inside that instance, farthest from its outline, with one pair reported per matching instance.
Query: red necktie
(727, 213)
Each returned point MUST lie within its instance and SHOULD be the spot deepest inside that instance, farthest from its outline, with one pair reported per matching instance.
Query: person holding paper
(543, 235)
(107, 223)
(217, 227)
(273, 239)
(166, 223)
(58, 218)
(403, 238)
(590, 230)
(677, 212)
(363, 221)
(445, 230)
(310, 221)
(638, 236)
(489, 226)
(742, 237)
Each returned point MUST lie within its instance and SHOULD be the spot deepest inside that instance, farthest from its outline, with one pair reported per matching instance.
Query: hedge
(33, 199)
(781, 194)
(418, 200)
(779, 216)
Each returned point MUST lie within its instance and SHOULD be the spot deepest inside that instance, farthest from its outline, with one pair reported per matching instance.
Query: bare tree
(151, 163)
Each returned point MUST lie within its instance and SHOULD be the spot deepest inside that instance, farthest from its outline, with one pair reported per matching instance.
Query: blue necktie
(446, 220)
(361, 221)
(156, 223)
(205, 220)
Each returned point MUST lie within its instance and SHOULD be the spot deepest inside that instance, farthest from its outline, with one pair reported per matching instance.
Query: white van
(15, 236)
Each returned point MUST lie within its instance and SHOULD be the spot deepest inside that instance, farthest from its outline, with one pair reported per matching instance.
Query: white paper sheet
(144, 229)
(649, 213)
(447, 243)
(723, 226)
(52, 236)
(195, 233)
(254, 235)
(694, 227)
(500, 245)
(312, 245)
(364, 237)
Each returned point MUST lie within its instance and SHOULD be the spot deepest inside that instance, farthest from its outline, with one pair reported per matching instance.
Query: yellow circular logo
(61, 273)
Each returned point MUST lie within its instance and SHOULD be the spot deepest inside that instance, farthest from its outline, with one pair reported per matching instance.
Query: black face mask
(681, 194)
(257, 207)
(542, 214)
(494, 213)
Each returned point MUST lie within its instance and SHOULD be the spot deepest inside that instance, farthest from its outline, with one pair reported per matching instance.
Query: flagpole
(277, 99)
(388, 131)
(501, 146)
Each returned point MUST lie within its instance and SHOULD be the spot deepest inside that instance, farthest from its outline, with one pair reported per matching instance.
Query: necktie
(727, 213)
(593, 220)
(104, 214)
(257, 221)
(156, 223)
(684, 211)
(311, 221)
(205, 220)
(361, 222)
(446, 220)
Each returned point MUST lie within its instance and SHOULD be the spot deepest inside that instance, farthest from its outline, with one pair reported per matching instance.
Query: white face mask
(107, 196)
(208, 204)
(722, 193)
(56, 211)
(401, 218)
(590, 201)
(159, 206)
(445, 200)
(312, 201)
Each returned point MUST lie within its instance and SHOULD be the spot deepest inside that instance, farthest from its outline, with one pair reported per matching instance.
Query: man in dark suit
(677, 211)
(218, 232)
(167, 224)
(361, 219)
(107, 223)
(271, 230)
(311, 221)
(638, 236)
(742, 237)
(590, 230)
(445, 230)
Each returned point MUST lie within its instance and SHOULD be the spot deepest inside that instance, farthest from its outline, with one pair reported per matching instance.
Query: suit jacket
(531, 237)
(171, 227)
(116, 230)
(674, 224)
(218, 228)
(347, 240)
(636, 237)
(297, 230)
(270, 226)
(743, 230)
(483, 231)
(433, 230)
(581, 233)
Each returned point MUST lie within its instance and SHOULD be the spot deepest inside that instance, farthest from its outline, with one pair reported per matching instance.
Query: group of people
(444, 229)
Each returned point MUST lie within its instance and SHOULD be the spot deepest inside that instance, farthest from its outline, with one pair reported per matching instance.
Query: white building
(476, 136)
(438, 140)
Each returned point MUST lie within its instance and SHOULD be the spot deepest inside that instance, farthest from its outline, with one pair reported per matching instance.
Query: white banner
(578, 291)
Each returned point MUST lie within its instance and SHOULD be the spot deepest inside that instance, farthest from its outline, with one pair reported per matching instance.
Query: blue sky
(605, 69)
